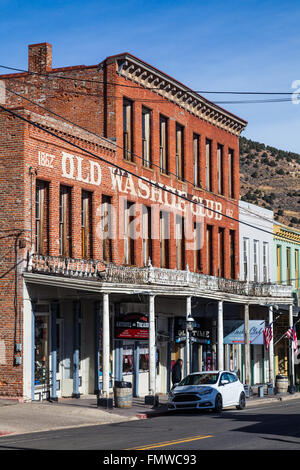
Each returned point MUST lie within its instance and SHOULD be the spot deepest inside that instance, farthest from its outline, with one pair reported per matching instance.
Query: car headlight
(207, 391)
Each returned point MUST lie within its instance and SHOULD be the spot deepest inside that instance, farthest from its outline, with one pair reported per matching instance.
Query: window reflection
(41, 372)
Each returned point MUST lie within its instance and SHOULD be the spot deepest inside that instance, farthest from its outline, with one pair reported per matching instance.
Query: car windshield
(200, 379)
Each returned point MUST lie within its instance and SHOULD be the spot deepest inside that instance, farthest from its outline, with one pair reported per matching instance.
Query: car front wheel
(242, 402)
(218, 404)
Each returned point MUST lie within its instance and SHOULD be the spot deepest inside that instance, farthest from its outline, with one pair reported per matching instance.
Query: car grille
(190, 405)
(185, 397)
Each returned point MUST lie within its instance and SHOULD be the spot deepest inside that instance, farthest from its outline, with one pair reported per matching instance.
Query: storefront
(132, 350)
(61, 342)
(234, 349)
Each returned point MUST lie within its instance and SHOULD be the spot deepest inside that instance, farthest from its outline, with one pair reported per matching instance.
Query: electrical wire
(51, 74)
(134, 154)
(181, 196)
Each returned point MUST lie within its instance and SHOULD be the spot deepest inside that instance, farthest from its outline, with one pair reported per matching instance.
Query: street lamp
(189, 329)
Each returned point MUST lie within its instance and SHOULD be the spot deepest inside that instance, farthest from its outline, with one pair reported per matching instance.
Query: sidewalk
(19, 418)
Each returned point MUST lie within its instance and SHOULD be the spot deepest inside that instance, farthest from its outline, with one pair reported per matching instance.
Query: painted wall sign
(234, 331)
(88, 171)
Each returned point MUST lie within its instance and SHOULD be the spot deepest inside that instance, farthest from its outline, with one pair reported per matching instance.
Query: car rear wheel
(218, 403)
(242, 402)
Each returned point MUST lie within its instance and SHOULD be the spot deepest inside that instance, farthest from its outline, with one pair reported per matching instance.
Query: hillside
(271, 178)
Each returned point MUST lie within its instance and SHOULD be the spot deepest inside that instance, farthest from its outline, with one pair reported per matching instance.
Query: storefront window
(128, 358)
(41, 372)
(144, 357)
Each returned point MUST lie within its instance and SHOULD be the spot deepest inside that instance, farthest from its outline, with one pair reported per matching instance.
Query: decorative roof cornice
(281, 232)
(167, 87)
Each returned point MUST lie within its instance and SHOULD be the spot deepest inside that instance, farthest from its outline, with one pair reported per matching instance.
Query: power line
(13, 113)
(158, 89)
(134, 154)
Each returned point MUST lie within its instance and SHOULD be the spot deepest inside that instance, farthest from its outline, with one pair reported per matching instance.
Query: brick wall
(99, 108)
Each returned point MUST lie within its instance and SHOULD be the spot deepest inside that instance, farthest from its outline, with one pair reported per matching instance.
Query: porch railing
(69, 267)
(93, 269)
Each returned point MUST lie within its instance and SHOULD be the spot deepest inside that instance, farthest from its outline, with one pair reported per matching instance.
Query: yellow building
(286, 255)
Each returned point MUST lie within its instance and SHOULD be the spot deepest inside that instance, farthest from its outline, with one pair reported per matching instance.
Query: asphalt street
(263, 427)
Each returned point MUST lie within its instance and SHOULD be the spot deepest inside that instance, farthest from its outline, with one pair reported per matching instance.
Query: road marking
(169, 443)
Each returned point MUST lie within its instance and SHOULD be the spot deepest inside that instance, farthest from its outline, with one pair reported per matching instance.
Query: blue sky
(207, 45)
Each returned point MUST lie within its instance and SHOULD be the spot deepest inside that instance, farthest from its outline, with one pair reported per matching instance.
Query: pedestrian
(176, 372)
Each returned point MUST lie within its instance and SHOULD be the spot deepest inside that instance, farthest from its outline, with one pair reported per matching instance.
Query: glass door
(41, 356)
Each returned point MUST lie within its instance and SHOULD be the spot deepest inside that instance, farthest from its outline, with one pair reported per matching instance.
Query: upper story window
(246, 258)
(221, 251)
(265, 261)
(41, 218)
(220, 169)
(106, 225)
(180, 248)
(208, 164)
(196, 159)
(179, 152)
(86, 225)
(209, 249)
(128, 129)
(288, 265)
(65, 221)
(297, 269)
(278, 263)
(146, 137)
(146, 230)
(197, 246)
(231, 173)
(129, 233)
(163, 137)
(232, 252)
(164, 239)
(255, 260)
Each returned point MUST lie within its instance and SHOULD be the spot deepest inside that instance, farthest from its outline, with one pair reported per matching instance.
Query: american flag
(268, 335)
(291, 333)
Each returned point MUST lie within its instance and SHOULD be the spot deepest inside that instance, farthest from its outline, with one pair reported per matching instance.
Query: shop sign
(132, 326)
(234, 331)
(198, 334)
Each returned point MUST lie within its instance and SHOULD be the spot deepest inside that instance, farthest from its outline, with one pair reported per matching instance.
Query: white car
(213, 389)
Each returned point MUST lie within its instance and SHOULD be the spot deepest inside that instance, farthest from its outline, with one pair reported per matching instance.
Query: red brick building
(119, 213)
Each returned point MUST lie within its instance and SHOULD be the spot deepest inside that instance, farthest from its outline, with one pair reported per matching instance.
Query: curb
(258, 401)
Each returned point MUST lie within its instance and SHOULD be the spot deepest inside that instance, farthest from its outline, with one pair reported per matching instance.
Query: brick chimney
(40, 57)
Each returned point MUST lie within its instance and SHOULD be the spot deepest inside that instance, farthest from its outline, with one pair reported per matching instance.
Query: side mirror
(224, 382)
